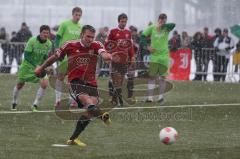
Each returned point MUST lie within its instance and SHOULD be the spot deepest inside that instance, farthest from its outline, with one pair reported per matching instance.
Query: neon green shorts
(26, 74)
(159, 68)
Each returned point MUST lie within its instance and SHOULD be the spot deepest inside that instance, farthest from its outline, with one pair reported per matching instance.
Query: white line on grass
(59, 145)
(126, 108)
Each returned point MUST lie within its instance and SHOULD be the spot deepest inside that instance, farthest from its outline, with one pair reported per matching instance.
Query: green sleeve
(169, 26)
(148, 31)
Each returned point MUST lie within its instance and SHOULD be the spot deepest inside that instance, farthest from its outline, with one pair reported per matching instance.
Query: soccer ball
(168, 135)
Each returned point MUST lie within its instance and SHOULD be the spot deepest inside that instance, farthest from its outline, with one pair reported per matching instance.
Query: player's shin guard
(151, 86)
(81, 125)
(58, 90)
(130, 87)
(114, 97)
(162, 87)
(94, 111)
(119, 95)
(15, 95)
(110, 87)
(39, 96)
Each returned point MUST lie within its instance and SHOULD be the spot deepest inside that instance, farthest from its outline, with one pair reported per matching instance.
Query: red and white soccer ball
(168, 135)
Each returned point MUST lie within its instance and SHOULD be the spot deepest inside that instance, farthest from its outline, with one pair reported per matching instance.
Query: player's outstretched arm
(47, 63)
(169, 26)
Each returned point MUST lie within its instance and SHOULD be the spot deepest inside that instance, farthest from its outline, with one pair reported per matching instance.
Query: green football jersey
(68, 30)
(36, 52)
(159, 40)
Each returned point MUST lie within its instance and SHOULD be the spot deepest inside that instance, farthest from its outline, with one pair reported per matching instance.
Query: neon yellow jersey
(159, 39)
(68, 30)
(36, 52)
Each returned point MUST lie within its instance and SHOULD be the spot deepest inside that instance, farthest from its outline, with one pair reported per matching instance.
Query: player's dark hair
(76, 9)
(44, 27)
(88, 27)
(122, 16)
(162, 16)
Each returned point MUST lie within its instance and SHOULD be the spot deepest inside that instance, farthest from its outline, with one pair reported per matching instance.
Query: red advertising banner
(180, 64)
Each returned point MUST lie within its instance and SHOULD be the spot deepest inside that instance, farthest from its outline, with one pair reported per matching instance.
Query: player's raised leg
(88, 96)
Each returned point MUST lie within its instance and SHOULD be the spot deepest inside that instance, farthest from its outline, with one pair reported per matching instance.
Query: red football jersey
(81, 60)
(120, 40)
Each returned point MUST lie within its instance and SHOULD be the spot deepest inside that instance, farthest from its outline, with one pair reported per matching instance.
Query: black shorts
(119, 68)
(78, 87)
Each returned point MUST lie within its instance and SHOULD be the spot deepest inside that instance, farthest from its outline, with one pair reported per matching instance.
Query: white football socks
(15, 94)
(151, 86)
(162, 87)
(58, 90)
(39, 95)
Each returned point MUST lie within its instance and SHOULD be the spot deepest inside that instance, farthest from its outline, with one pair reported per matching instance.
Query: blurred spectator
(3, 35)
(53, 33)
(218, 33)
(22, 36)
(135, 35)
(186, 40)
(207, 39)
(4, 41)
(144, 54)
(130, 73)
(175, 41)
(223, 45)
(236, 59)
(197, 45)
(150, 23)
(14, 50)
(135, 38)
(101, 36)
(24, 33)
(207, 51)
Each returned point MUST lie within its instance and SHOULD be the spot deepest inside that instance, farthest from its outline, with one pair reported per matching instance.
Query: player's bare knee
(94, 100)
(20, 85)
(43, 84)
(85, 99)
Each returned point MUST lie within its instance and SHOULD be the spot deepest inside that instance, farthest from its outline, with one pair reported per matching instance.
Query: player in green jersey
(159, 58)
(35, 53)
(68, 30)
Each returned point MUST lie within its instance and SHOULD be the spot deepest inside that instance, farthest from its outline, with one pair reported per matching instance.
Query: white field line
(126, 108)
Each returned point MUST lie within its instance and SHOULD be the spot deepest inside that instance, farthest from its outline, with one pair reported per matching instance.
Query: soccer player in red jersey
(119, 42)
(82, 59)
